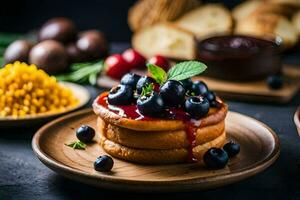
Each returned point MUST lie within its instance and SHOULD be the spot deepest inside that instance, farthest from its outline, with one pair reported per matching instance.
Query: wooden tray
(257, 90)
(259, 149)
(81, 93)
(250, 91)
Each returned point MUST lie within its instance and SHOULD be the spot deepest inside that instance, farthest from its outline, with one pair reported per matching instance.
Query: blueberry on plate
(120, 95)
(151, 105)
(232, 149)
(143, 81)
(85, 133)
(187, 84)
(197, 106)
(130, 79)
(199, 88)
(103, 163)
(173, 93)
(215, 158)
(215, 104)
(210, 96)
(275, 82)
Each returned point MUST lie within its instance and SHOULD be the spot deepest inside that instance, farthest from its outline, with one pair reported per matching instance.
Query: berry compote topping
(131, 111)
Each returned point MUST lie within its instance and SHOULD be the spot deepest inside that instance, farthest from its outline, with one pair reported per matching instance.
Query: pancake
(214, 116)
(158, 139)
(128, 135)
(151, 156)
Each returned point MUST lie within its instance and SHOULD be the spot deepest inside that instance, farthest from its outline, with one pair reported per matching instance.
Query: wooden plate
(81, 93)
(259, 149)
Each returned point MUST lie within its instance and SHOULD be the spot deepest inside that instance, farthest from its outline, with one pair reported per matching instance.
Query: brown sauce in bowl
(239, 58)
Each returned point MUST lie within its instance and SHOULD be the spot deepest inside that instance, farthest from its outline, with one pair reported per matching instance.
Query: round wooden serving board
(259, 149)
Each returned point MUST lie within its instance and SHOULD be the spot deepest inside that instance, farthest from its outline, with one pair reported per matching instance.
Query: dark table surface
(23, 176)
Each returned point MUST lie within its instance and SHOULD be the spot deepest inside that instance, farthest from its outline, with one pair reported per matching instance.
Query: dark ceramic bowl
(240, 58)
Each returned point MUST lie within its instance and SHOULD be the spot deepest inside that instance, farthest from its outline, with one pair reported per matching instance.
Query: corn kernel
(24, 90)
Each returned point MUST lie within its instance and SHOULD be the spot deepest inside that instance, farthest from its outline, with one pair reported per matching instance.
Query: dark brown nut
(50, 56)
(93, 44)
(17, 51)
(60, 29)
(74, 54)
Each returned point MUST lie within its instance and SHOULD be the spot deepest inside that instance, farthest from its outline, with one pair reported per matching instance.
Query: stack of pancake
(159, 141)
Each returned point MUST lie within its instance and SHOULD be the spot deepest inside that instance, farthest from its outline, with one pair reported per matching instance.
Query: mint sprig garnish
(147, 89)
(77, 145)
(157, 73)
(186, 70)
(178, 72)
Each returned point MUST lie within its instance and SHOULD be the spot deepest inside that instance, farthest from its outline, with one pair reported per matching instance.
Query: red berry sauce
(131, 112)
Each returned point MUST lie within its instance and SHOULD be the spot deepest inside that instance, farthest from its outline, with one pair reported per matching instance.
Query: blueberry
(151, 105)
(130, 79)
(232, 149)
(197, 106)
(173, 93)
(120, 95)
(215, 104)
(210, 96)
(275, 82)
(187, 84)
(199, 88)
(103, 163)
(85, 133)
(143, 81)
(215, 158)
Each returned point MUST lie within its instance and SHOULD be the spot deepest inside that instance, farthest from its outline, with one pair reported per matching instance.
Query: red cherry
(116, 66)
(160, 61)
(134, 58)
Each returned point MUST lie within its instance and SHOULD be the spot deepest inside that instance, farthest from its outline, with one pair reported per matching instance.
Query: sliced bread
(274, 8)
(292, 3)
(167, 40)
(252, 7)
(296, 22)
(207, 20)
(268, 26)
(245, 9)
(148, 12)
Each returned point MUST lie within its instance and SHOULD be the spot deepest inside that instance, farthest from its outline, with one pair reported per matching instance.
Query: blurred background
(54, 35)
(108, 16)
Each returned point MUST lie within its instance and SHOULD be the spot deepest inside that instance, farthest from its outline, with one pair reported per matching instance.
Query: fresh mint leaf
(147, 89)
(187, 69)
(77, 145)
(159, 75)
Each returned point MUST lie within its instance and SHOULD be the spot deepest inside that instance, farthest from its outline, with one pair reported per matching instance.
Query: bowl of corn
(28, 94)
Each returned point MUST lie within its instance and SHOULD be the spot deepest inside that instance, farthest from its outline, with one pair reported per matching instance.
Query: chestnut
(74, 54)
(50, 56)
(60, 29)
(93, 44)
(17, 51)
